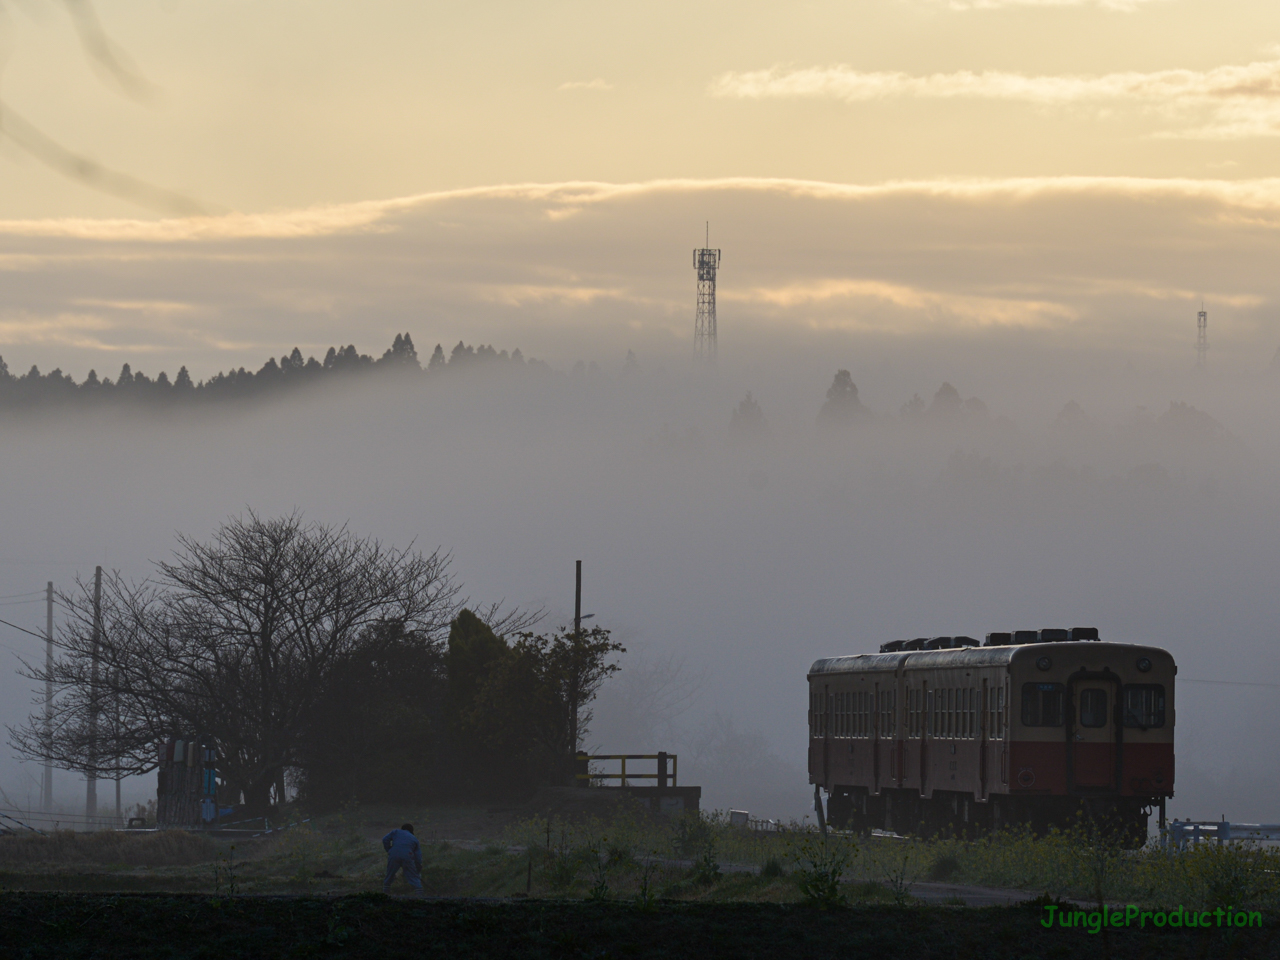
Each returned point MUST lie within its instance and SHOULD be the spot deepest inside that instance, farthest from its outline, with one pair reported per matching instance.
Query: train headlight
(1044, 663)
(1144, 664)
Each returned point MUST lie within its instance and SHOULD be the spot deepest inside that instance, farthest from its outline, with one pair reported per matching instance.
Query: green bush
(821, 863)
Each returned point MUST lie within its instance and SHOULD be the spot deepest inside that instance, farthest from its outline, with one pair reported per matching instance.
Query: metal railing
(663, 778)
(1184, 833)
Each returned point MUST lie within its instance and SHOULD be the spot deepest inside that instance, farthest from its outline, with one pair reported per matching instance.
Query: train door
(875, 739)
(984, 707)
(926, 712)
(826, 735)
(901, 730)
(1091, 733)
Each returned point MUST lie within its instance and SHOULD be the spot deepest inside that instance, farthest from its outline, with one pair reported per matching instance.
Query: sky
(1085, 173)
(1029, 199)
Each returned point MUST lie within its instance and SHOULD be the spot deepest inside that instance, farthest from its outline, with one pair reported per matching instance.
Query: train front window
(1093, 707)
(1143, 705)
(1042, 704)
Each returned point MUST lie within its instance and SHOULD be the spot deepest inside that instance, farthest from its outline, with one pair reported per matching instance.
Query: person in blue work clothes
(403, 853)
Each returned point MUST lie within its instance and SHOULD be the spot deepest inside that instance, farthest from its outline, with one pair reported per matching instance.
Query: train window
(1042, 704)
(1143, 705)
(1093, 707)
(1000, 714)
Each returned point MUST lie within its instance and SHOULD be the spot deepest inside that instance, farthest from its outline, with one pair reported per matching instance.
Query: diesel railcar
(1033, 727)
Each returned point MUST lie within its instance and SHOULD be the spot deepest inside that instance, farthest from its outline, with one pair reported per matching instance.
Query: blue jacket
(403, 845)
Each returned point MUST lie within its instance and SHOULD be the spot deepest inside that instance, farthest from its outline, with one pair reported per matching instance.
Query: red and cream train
(1032, 727)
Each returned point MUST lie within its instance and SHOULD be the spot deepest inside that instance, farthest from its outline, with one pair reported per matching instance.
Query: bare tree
(234, 641)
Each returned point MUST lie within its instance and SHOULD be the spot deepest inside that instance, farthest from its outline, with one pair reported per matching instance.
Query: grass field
(580, 884)
(628, 856)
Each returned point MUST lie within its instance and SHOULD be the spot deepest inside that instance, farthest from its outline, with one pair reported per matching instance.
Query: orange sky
(1091, 164)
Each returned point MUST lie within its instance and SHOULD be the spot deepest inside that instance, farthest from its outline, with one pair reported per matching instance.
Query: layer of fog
(727, 561)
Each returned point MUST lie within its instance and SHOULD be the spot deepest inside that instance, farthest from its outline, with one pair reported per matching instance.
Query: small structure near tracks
(664, 796)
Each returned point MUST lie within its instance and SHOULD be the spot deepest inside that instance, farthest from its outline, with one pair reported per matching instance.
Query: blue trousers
(410, 869)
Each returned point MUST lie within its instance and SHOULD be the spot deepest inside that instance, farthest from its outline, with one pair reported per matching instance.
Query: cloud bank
(1241, 100)
(579, 270)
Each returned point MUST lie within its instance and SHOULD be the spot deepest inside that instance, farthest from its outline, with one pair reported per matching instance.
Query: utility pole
(47, 786)
(91, 774)
(577, 602)
(577, 644)
(115, 733)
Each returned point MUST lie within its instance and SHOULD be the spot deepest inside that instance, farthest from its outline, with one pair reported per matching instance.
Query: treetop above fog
(34, 389)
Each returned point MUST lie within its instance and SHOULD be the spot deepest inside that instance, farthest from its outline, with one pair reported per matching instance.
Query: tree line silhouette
(298, 649)
(34, 389)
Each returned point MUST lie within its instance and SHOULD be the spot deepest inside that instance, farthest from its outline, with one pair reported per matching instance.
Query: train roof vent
(1026, 636)
(893, 646)
(938, 643)
(998, 639)
(1054, 636)
(963, 642)
(1084, 633)
(916, 644)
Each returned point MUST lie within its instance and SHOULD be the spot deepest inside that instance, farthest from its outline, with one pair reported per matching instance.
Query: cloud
(1123, 6)
(585, 269)
(1241, 100)
(568, 199)
(598, 83)
(911, 308)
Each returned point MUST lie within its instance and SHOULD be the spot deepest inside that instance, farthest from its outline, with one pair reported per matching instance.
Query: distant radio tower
(706, 261)
(1202, 337)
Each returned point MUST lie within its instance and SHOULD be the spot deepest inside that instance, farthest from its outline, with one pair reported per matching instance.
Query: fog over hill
(728, 543)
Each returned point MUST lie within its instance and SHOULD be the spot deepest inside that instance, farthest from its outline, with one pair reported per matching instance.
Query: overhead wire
(38, 636)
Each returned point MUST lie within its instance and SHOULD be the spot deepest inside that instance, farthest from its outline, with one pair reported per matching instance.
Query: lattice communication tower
(706, 261)
(1202, 338)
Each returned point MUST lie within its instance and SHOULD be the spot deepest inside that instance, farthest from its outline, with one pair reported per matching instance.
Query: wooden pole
(577, 641)
(91, 774)
(47, 786)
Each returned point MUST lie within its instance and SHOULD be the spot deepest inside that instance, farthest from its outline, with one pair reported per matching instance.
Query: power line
(38, 636)
(28, 593)
(1229, 683)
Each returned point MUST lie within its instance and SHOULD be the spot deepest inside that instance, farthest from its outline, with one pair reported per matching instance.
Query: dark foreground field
(370, 925)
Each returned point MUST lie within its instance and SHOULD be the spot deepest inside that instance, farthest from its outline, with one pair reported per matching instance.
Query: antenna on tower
(1202, 337)
(706, 261)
